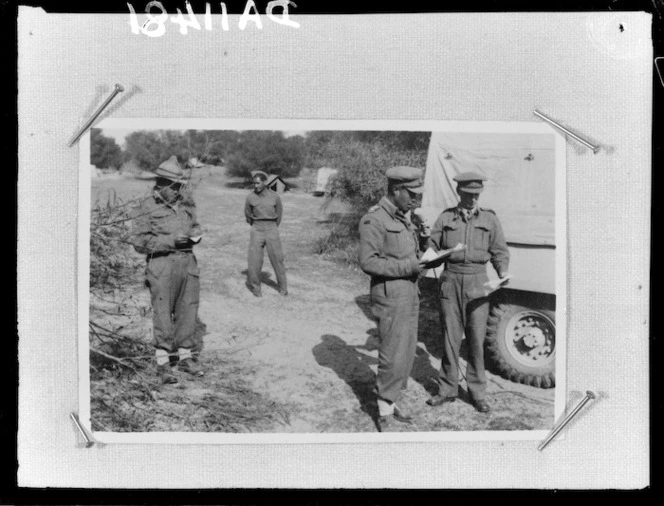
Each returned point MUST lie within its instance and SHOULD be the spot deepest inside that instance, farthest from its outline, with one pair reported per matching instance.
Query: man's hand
(418, 219)
(504, 278)
(182, 241)
(428, 264)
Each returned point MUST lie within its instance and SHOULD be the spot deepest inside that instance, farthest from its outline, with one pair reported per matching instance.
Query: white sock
(162, 356)
(184, 353)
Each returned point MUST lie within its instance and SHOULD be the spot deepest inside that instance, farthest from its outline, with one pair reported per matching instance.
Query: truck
(523, 188)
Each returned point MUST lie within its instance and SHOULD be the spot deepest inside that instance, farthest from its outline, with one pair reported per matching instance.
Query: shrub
(268, 151)
(104, 151)
(361, 159)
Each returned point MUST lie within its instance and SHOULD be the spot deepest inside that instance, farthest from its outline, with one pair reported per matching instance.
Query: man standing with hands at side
(263, 211)
(389, 253)
(464, 305)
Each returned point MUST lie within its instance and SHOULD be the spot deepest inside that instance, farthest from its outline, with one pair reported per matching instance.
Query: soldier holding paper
(464, 305)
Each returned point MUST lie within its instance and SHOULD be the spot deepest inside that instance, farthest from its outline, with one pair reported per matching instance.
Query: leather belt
(466, 268)
(158, 254)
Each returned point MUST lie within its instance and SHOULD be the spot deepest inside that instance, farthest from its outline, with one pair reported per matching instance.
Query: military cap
(171, 170)
(408, 177)
(255, 173)
(470, 182)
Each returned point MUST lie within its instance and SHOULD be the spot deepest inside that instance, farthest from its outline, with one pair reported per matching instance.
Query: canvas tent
(322, 179)
(276, 184)
(194, 162)
(520, 186)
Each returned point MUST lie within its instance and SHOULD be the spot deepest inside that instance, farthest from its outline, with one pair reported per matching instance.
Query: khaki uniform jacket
(263, 206)
(389, 246)
(482, 235)
(157, 224)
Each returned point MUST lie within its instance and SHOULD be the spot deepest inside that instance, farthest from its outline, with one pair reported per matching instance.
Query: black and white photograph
(269, 281)
(265, 248)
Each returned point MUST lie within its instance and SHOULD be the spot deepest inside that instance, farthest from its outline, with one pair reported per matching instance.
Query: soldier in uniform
(464, 305)
(263, 211)
(165, 229)
(389, 253)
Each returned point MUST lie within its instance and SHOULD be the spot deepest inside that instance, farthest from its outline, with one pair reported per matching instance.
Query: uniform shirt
(263, 206)
(480, 232)
(157, 224)
(388, 243)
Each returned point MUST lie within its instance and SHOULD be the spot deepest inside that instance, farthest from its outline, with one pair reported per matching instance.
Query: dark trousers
(175, 289)
(464, 309)
(265, 234)
(395, 304)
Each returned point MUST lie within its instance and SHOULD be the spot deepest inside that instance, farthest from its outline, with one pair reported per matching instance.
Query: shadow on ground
(266, 279)
(429, 336)
(352, 367)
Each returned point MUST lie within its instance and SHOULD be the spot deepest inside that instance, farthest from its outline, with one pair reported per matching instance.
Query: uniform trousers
(175, 290)
(395, 304)
(464, 309)
(265, 234)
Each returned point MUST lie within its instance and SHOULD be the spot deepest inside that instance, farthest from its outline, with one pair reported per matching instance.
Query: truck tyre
(521, 344)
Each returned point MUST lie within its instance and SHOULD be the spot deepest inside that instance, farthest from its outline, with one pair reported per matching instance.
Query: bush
(112, 260)
(104, 151)
(268, 151)
(361, 159)
(149, 148)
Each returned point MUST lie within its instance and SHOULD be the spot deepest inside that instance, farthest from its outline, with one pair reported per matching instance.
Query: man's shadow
(266, 279)
(352, 367)
(429, 335)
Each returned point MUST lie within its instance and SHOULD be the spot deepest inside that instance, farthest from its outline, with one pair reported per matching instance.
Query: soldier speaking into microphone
(389, 253)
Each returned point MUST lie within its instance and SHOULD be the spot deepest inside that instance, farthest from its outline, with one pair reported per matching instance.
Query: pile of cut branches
(126, 394)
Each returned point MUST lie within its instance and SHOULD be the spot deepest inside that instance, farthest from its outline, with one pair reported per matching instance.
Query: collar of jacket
(389, 207)
(473, 212)
(394, 212)
(482, 217)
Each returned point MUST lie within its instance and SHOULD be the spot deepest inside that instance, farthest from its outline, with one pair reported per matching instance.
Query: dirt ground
(310, 358)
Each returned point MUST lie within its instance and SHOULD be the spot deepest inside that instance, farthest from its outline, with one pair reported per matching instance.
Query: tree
(268, 151)
(148, 149)
(104, 151)
(362, 158)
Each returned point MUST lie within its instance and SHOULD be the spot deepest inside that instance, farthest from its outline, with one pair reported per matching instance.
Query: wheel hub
(530, 338)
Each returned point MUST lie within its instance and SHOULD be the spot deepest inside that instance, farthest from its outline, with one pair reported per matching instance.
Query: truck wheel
(521, 343)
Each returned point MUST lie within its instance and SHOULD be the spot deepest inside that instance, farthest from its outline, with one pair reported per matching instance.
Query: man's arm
(279, 209)
(372, 259)
(247, 210)
(500, 254)
(436, 234)
(146, 236)
(195, 230)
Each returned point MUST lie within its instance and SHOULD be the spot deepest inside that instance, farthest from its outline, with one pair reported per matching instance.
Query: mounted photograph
(294, 281)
